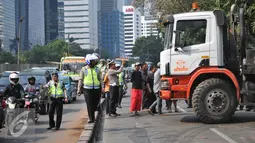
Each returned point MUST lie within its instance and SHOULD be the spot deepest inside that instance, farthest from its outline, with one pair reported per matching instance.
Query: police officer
(122, 85)
(56, 89)
(90, 80)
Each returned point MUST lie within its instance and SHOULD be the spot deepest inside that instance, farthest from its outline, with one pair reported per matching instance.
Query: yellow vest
(121, 81)
(90, 80)
(56, 91)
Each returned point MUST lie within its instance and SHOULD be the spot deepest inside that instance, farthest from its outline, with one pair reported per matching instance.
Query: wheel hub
(216, 101)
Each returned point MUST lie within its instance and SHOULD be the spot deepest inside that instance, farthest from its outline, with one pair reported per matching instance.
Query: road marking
(184, 111)
(225, 137)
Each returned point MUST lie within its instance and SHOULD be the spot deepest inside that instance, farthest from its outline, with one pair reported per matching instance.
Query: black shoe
(118, 114)
(119, 106)
(112, 115)
(90, 121)
(49, 128)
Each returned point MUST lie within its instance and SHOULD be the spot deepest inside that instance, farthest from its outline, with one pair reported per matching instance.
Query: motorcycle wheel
(8, 121)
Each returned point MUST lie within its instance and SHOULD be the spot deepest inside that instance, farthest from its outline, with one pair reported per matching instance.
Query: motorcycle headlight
(165, 85)
(12, 106)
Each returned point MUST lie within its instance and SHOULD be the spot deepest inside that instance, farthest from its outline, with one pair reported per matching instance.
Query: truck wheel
(214, 101)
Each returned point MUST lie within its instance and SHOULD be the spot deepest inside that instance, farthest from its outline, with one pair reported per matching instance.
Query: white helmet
(117, 65)
(12, 77)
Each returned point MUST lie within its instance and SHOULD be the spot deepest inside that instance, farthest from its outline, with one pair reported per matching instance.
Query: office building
(132, 25)
(61, 22)
(51, 20)
(32, 25)
(128, 2)
(111, 29)
(149, 26)
(7, 24)
(80, 20)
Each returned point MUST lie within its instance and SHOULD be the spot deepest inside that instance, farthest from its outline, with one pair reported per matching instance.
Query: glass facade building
(51, 20)
(32, 26)
(7, 24)
(111, 25)
(61, 22)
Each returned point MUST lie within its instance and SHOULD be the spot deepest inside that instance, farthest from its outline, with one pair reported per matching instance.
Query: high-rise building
(111, 29)
(7, 24)
(61, 22)
(51, 20)
(149, 26)
(32, 25)
(80, 18)
(132, 24)
(128, 2)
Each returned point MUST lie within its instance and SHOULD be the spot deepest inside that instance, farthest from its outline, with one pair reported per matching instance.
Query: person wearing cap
(137, 90)
(114, 87)
(156, 89)
(56, 90)
(146, 91)
(90, 80)
(122, 84)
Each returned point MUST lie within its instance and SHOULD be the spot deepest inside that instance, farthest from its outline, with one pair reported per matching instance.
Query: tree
(7, 57)
(148, 48)
(53, 51)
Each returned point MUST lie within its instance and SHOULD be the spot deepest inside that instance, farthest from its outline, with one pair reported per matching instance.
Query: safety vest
(121, 81)
(91, 80)
(56, 91)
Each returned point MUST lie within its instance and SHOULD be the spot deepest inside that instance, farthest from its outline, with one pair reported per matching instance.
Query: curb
(91, 131)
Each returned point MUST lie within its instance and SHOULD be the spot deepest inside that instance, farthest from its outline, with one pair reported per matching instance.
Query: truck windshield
(73, 67)
(168, 36)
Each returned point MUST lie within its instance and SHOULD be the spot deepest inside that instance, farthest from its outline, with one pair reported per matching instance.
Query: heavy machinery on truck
(207, 63)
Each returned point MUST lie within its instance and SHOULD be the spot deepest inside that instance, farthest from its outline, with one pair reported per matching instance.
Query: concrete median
(92, 131)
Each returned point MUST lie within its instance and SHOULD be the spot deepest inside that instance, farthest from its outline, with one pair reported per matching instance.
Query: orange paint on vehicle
(185, 82)
(214, 70)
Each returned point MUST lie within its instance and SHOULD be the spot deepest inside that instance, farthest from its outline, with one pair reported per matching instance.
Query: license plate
(27, 102)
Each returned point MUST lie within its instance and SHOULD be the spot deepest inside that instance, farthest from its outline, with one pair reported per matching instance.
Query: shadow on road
(244, 117)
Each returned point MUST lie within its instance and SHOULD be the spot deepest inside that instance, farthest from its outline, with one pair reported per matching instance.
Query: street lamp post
(19, 38)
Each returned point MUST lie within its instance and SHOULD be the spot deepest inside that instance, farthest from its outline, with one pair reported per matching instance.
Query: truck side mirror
(179, 41)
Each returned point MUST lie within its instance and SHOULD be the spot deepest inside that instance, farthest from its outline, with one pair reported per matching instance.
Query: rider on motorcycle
(14, 88)
(32, 88)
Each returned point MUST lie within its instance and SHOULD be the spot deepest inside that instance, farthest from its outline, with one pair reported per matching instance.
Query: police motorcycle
(14, 112)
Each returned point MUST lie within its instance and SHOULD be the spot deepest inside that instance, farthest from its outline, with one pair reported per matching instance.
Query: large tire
(214, 101)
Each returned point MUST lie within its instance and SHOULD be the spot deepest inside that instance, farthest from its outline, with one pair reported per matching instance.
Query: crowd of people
(106, 79)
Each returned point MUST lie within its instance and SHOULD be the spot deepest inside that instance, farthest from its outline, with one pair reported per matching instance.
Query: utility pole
(21, 18)
(115, 49)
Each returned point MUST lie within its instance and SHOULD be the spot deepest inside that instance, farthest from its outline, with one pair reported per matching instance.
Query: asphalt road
(74, 117)
(182, 127)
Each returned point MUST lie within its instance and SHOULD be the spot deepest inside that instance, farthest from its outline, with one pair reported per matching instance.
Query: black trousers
(114, 95)
(56, 104)
(151, 99)
(120, 94)
(92, 98)
(145, 102)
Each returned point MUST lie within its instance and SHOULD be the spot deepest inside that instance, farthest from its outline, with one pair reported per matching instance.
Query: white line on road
(184, 111)
(225, 137)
